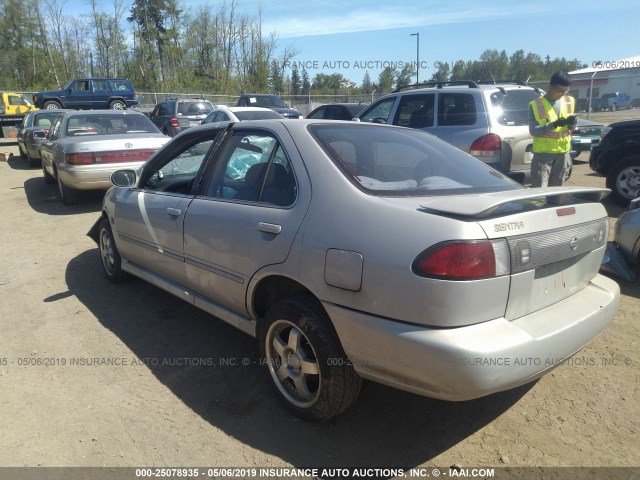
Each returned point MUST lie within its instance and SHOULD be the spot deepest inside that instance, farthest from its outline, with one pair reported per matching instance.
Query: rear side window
(511, 107)
(415, 111)
(120, 85)
(456, 109)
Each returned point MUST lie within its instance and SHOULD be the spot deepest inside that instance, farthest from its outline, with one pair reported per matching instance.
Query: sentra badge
(507, 226)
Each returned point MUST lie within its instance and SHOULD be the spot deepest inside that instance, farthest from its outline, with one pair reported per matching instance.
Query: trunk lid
(556, 238)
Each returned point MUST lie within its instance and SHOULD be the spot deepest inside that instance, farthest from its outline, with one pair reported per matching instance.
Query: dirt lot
(93, 374)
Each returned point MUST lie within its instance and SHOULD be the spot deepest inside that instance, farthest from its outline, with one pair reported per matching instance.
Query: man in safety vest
(551, 121)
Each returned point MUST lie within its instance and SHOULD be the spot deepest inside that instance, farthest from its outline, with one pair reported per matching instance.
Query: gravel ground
(94, 374)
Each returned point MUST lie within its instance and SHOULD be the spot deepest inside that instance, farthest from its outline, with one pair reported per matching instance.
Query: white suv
(489, 120)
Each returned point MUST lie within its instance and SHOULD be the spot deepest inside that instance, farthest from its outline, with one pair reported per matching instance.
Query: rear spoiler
(511, 201)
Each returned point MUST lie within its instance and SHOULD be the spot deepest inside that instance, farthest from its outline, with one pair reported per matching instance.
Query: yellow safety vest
(559, 140)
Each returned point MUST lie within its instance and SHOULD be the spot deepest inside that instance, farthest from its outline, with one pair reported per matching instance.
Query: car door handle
(269, 228)
(174, 212)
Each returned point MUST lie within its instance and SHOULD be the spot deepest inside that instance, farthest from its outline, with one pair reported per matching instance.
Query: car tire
(23, 153)
(305, 361)
(48, 178)
(624, 180)
(33, 162)
(51, 105)
(117, 105)
(69, 195)
(111, 260)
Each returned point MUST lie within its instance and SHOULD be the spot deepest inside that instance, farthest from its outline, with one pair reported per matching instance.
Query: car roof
(104, 112)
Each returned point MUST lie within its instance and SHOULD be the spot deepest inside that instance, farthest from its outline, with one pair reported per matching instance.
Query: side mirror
(123, 178)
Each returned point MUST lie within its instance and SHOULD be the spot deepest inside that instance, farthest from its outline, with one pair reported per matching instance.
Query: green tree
(442, 72)
(406, 75)
(386, 79)
(296, 82)
(153, 17)
(367, 84)
(306, 84)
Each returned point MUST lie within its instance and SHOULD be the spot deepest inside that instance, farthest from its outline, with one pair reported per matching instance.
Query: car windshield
(512, 106)
(257, 115)
(266, 101)
(126, 123)
(405, 162)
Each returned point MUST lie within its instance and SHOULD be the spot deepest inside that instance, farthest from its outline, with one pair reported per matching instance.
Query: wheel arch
(277, 287)
(614, 155)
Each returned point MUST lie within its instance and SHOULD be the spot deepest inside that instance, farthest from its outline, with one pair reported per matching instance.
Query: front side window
(405, 162)
(379, 112)
(177, 172)
(255, 168)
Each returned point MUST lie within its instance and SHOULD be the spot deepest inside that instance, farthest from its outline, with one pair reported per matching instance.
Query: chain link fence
(303, 103)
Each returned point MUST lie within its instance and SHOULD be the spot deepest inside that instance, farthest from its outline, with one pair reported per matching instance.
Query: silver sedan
(83, 148)
(358, 251)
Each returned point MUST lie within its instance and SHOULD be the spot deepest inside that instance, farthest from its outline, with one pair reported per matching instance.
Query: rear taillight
(116, 157)
(86, 158)
(175, 122)
(464, 260)
(488, 145)
(89, 158)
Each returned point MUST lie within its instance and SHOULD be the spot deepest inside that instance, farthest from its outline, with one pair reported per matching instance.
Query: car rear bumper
(92, 177)
(477, 360)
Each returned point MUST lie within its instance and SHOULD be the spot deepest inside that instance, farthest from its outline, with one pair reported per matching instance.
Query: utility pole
(417, 35)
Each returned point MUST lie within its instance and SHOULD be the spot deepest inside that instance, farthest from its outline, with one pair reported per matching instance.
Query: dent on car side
(344, 257)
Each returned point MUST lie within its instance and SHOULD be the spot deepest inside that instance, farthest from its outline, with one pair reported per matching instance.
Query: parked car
(174, 115)
(611, 101)
(32, 132)
(585, 135)
(222, 113)
(14, 104)
(274, 102)
(337, 111)
(90, 93)
(617, 156)
(489, 120)
(83, 148)
(627, 233)
(357, 251)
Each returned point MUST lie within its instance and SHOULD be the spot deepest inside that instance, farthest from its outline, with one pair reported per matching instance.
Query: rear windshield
(390, 161)
(109, 124)
(194, 108)
(266, 101)
(511, 107)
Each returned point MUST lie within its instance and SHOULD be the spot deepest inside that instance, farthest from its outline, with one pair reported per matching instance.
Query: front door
(150, 219)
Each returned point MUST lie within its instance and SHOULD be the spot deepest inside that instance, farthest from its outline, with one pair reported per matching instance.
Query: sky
(354, 36)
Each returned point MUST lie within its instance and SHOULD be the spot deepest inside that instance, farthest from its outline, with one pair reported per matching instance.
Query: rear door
(247, 214)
